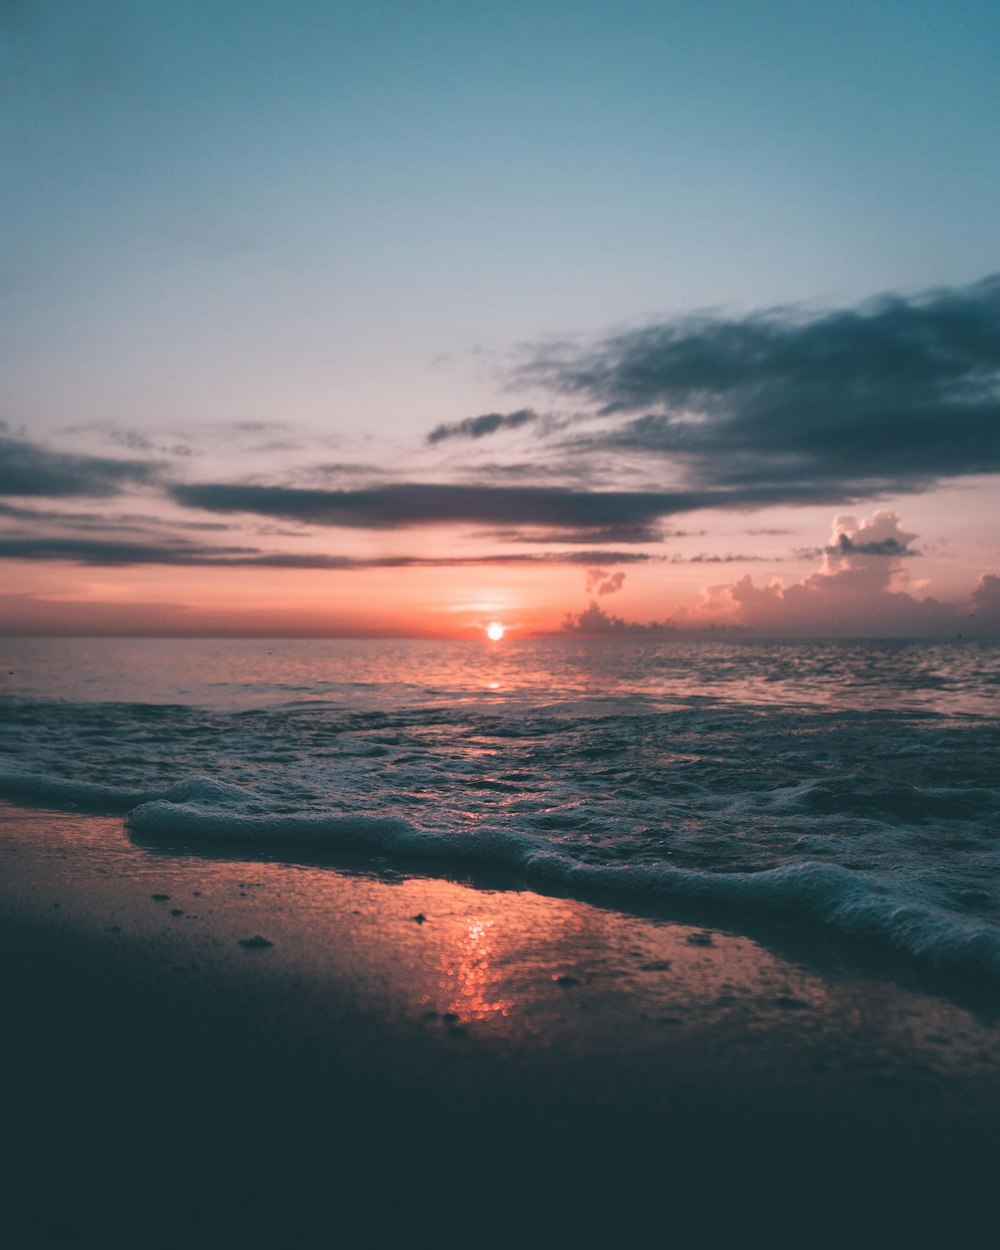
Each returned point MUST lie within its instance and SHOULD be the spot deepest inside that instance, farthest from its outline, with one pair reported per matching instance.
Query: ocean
(852, 787)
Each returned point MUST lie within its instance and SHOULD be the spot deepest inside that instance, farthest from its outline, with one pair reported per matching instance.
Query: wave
(886, 906)
(63, 793)
(886, 909)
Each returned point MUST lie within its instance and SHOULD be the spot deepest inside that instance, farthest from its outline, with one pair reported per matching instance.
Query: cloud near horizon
(859, 590)
(595, 622)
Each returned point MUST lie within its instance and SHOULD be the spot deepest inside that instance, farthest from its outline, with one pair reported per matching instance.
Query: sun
(494, 631)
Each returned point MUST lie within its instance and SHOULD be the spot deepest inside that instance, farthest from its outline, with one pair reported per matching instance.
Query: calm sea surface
(853, 785)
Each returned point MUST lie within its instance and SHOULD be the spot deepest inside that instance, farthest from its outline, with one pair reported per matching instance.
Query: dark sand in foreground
(415, 1062)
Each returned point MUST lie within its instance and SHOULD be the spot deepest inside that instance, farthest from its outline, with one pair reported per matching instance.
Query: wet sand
(220, 1051)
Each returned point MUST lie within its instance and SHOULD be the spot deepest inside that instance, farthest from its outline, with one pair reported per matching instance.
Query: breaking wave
(845, 901)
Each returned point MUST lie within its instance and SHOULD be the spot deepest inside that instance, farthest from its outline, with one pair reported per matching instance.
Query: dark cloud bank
(773, 408)
(891, 396)
(424, 503)
(27, 469)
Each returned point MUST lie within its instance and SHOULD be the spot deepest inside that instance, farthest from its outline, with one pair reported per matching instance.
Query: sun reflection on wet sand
(472, 981)
(512, 971)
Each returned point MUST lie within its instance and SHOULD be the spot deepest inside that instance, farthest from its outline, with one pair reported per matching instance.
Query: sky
(396, 318)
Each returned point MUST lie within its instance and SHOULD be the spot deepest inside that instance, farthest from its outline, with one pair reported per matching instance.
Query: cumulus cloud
(594, 622)
(479, 427)
(892, 395)
(878, 535)
(29, 469)
(860, 590)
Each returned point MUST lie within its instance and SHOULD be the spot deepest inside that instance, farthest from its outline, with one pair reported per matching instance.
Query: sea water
(849, 785)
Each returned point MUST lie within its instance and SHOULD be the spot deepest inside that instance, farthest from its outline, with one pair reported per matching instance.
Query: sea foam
(886, 909)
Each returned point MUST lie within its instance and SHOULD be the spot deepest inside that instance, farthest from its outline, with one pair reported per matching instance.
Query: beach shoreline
(267, 1052)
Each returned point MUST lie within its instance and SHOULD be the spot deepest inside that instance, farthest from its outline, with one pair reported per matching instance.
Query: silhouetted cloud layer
(110, 552)
(418, 503)
(895, 394)
(594, 622)
(27, 469)
(478, 427)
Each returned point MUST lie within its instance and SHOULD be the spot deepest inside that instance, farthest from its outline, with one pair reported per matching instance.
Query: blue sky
(345, 219)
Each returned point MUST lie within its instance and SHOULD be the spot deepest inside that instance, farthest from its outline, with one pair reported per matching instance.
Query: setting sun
(494, 631)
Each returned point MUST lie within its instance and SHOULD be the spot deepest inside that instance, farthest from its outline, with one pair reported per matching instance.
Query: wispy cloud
(28, 469)
(705, 557)
(574, 537)
(479, 427)
(604, 581)
(119, 522)
(106, 552)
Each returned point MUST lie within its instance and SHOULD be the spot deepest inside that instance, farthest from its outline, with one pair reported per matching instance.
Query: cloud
(120, 522)
(603, 581)
(860, 590)
(28, 469)
(891, 396)
(402, 504)
(574, 537)
(878, 535)
(729, 558)
(594, 622)
(344, 469)
(134, 440)
(479, 427)
(106, 552)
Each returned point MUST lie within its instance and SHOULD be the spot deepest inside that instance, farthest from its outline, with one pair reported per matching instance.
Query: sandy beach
(238, 1051)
